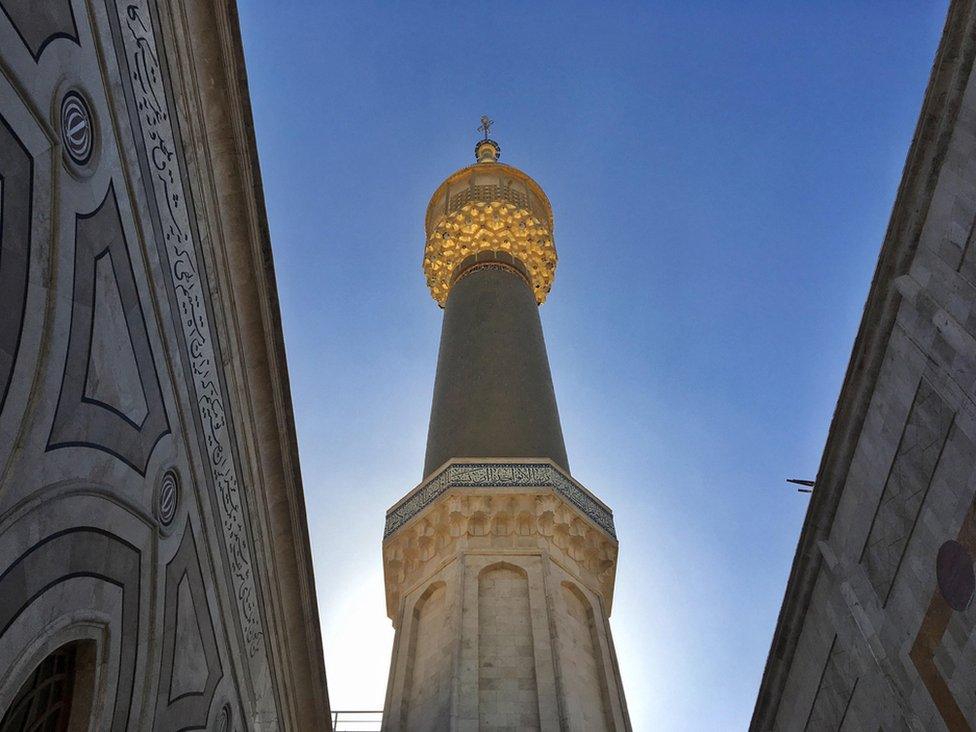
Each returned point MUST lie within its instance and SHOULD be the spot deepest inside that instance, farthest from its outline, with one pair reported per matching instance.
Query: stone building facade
(499, 567)
(878, 626)
(154, 560)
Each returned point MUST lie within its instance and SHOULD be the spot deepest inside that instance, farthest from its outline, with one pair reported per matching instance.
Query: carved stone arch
(425, 596)
(58, 692)
(502, 565)
(427, 669)
(96, 555)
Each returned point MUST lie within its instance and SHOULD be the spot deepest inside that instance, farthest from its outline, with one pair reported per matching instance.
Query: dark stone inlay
(38, 22)
(81, 552)
(81, 420)
(16, 200)
(188, 710)
(955, 575)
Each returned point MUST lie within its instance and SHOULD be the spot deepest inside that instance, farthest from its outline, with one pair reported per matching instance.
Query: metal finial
(486, 124)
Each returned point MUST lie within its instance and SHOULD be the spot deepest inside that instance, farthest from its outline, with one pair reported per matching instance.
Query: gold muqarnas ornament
(488, 207)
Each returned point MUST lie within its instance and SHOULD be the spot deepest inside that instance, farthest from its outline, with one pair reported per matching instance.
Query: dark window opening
(43, 703)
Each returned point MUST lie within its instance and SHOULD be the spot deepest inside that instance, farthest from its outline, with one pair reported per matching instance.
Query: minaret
(499, 567)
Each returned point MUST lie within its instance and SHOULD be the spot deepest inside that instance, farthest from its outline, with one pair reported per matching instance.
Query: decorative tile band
(498, 475)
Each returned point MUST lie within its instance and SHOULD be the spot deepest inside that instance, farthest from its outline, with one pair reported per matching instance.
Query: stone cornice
(498, 474)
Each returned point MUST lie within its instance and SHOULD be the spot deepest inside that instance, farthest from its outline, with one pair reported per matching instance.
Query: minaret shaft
(493, 394)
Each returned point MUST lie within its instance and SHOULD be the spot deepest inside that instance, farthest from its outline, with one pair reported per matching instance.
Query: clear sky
(721, 175)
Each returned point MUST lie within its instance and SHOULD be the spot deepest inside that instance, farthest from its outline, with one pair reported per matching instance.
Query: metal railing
(356, 721)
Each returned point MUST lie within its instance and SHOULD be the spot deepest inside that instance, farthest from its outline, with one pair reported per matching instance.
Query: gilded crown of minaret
(499, 567)
(489, 211)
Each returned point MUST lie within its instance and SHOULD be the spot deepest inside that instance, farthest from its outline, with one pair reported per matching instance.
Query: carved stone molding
(498, 475)
(480, 518)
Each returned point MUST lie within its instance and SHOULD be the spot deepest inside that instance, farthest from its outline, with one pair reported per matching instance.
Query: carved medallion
(76, 128)
(168, 497)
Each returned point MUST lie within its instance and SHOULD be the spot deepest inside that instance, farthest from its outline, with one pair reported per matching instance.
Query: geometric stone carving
(81, 552)
(191, 667)
(38, 22)
(223, 719)
(16, 192)
(167, 497)
(110, 396)
(188, 675)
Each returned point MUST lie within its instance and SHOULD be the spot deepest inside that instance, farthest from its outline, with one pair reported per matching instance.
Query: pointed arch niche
(508, 696)
(428, 673)
(582, 665)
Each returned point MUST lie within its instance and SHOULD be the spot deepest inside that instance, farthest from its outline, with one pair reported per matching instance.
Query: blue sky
(721, 176)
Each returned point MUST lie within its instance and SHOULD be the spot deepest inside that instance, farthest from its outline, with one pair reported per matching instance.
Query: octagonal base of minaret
(499, 580)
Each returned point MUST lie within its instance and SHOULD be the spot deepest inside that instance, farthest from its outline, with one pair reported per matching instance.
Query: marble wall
(150, 502)
(878, 627)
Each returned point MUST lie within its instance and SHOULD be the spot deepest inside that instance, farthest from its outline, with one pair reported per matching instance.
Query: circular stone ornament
(955, 575)
(168, 497)
(76, 128)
